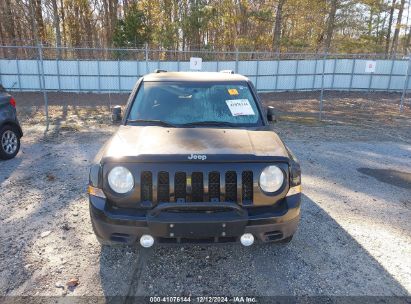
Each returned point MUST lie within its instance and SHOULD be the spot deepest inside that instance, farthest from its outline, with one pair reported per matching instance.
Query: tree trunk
(243, 26)
(388, 38)
(397, 29)
(56, 25)
(88, 28)
(330, 25)
(176, 19)
(110, 19)
(408, 35)
(1, 41)
(9, 23)
(377, 34)
(277, 26)
(76, 35)
(407, 43)
(370, 21)
(39, 20)
(125, 7)
(63, 23)
(113, 4)
(107, 21)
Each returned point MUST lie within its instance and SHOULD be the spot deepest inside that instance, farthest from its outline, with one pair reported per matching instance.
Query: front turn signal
(294, 190)
(96, 192)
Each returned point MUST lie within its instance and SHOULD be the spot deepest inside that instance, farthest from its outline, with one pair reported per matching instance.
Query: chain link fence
(112, 70)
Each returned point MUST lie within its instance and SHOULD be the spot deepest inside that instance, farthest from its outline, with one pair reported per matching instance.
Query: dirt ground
(354, 237)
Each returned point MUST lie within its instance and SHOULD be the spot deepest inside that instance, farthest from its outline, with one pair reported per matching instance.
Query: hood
(153, 142)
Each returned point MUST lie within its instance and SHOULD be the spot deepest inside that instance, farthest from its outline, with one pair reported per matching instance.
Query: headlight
(120, 180)
(271, 179)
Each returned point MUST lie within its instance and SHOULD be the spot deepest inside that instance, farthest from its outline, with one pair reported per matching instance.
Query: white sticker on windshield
(239, 107)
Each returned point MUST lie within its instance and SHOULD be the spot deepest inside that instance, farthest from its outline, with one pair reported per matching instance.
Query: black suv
(10, 130)
(195, 160)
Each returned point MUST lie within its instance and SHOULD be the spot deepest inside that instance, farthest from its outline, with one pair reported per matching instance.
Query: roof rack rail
(227, 71)
(160, 71)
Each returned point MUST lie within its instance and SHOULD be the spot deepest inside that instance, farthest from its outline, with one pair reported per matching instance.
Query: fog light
(247, 239)
(146, 241)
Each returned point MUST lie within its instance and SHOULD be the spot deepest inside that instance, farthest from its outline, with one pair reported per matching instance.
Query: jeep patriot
(194, 160)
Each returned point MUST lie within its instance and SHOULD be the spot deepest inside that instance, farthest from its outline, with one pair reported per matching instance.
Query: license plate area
(197, 225)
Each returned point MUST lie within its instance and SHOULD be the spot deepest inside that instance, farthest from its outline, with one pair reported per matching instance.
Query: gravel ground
(354, 237)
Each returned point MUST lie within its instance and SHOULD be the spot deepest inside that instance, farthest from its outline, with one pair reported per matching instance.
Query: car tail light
(13, 102)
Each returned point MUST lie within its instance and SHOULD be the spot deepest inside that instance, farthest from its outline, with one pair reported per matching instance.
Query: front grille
(163, 190)
(146, 186)
(231, 186)
(180, 184)
(247, 185)
(214, 186)
(197, 187)
(222, 186)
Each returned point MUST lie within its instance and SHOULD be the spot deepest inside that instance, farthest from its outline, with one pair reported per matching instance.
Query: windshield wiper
(152, 121)
(209, 123)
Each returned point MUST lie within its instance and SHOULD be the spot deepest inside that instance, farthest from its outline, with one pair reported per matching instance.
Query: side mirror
(116, 114)
(271, 114)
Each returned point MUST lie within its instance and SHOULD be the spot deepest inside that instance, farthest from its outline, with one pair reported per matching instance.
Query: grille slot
(247, 186)
(214, 186)
(146, 186)
(163, 190)
(230, 186)
(180, 184)
(197, 187)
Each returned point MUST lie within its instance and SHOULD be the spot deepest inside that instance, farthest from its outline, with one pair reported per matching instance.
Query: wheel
(9, 142)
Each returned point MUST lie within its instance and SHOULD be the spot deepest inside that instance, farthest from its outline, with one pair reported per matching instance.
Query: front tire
(9, 142)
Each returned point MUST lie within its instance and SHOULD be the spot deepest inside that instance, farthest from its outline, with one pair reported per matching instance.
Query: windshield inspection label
(232, 92)
(239, 107)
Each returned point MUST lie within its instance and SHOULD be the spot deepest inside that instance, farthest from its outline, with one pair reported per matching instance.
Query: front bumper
(194, 222)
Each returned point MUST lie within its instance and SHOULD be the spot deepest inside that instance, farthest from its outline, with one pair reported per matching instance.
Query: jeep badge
(197, 156)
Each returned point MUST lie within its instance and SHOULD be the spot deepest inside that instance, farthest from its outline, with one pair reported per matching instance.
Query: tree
(9, 22)
(407, 39)
(330, 24)
(110, 19)
(38, 17)
(388, 38)
(397, 29)
(277, 26)
(63, 24)
(131, 30)
(56, 23)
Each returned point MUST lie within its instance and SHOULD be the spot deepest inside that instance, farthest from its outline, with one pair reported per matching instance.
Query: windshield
(184, 103)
